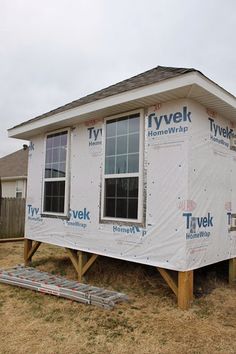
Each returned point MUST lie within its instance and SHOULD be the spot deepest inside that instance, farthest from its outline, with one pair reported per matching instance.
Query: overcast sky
(55, 51)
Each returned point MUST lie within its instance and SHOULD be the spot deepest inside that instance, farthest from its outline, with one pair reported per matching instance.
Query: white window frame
(19, 190)
(139, 174)
(55, 179)
(21, 194)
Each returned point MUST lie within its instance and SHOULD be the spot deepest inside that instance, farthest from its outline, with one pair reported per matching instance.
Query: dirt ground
(33, 323)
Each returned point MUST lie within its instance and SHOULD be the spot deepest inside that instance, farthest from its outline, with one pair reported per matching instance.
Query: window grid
(122, 142)
(19, 194)
(56, 150)
(122, 157)
(19, 190)
(123, 198)
(55, 173)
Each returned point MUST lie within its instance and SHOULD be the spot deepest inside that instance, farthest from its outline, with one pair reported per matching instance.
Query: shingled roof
(152, 76)
(15, 164)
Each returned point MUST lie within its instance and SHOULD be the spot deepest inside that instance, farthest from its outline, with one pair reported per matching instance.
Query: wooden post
(27, 249)
(80, 266)
(84, 264)
(169, 280)
(185, 289)
(81, 262)
(232, 271)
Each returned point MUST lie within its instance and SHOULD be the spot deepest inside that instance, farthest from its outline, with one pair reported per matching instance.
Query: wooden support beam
(89, 263)
(80, 265)
(30, 249)
(73, 257)
(232, 271)
(185, 289)
(3, 240)
(169, 280)
(27, 249)
(33, 249)
(80, 262)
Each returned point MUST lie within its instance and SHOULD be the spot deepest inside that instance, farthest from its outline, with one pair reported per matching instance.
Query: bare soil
(33, 323)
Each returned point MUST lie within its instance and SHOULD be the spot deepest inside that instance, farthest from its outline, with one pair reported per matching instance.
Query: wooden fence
(12, 217)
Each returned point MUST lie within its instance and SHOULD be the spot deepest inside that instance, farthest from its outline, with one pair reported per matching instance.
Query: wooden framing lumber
(3, 240)
(78, 258)
(185, 289)
(29, 250)
(89, 263)
(80, 265)
(169, 280)
(232, 271)
(34, 249)
(80, 262)
(73, 257)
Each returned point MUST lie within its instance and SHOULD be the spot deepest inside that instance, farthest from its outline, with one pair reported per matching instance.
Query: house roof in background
(15, 164)
(151, 76)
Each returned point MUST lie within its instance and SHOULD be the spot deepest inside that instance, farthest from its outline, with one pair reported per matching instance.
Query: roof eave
(131, 100)
(12, 178)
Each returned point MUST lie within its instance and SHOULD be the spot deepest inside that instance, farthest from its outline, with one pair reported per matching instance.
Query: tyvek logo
(95, 136)
(163, 124)
(194, 224)
(129, 230)
(200, 221)
(176, 117)
(33, 213)
(80, 214)
(78, 218)
(217, 130)
(218, 133)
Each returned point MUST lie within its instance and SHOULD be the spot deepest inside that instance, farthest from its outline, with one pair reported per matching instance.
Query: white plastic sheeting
(189, 178)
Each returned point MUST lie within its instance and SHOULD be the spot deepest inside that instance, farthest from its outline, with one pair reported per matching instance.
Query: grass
(34, 323)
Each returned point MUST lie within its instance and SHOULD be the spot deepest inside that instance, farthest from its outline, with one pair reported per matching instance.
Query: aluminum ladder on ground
(31, 278)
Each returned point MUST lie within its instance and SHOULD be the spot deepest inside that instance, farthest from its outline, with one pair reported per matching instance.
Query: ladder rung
(30, 278)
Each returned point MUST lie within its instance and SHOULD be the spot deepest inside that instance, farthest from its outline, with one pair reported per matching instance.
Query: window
(19, 194)
(55, 173)
(19, 189)
(122, 183)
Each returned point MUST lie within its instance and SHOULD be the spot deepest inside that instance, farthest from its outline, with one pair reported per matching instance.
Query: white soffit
(192, 85)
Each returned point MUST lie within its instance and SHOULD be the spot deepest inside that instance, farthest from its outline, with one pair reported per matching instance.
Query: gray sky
(55, 51)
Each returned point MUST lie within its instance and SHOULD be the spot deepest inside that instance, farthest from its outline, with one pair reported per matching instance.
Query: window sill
(126, 222)
(55, 216)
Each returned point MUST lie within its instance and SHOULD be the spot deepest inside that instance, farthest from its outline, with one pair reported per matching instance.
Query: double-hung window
(19, 189)
(55, 174)
(123, 166)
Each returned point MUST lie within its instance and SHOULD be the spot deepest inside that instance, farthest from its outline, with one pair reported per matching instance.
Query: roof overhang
(192, 85)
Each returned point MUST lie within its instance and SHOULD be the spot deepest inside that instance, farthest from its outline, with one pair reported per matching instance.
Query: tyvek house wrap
(211, 189)
(188, 193)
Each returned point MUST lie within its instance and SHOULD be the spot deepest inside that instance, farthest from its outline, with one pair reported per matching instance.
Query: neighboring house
(13, 174)
(143, 171)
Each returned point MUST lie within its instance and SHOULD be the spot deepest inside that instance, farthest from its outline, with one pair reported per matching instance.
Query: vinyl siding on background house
(9, 188)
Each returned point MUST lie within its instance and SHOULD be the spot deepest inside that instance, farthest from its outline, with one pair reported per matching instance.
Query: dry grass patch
(35, 323)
